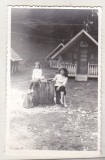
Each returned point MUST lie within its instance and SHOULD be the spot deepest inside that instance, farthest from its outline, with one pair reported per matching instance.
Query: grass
(54, 127)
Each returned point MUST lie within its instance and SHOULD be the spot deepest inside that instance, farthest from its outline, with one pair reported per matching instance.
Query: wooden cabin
(79, 56)
(52, 62)
(15, 59)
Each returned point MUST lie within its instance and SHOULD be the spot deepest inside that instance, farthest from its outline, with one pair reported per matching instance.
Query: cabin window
(84, 44)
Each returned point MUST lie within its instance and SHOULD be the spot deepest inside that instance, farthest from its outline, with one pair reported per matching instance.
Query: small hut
(54, 63)
(15, 59)
(79, 56)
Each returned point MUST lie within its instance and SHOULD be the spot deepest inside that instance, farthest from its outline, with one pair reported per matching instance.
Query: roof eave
(54, 51)
(73, 39)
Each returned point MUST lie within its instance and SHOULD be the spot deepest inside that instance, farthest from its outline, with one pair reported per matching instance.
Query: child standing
(36, 76)
(60, 83)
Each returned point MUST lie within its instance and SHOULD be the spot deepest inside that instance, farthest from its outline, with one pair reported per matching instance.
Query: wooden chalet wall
(71, 54)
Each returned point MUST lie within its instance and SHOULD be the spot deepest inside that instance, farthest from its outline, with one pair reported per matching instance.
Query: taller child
(60, 84)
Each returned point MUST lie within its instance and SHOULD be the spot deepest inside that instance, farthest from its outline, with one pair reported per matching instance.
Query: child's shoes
(61, 101)
(65, 105)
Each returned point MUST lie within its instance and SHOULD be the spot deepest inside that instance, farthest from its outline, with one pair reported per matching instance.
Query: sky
(53, 23)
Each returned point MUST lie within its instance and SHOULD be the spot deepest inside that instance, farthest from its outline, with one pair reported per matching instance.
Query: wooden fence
(72, 68)
(54, 64)
(92, 70)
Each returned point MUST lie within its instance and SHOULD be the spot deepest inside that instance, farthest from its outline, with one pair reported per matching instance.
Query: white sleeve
(55, 78)
(65, 81)
(33, 75)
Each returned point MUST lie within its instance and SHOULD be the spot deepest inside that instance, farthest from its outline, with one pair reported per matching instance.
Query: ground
(54, 127)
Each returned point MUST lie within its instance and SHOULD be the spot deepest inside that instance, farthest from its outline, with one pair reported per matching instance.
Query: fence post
(88, 69)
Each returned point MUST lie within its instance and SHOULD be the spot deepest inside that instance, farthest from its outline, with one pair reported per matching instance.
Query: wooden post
(88, 69)
(58, 97)
(11, 67)
(16, 66)
(43, 94)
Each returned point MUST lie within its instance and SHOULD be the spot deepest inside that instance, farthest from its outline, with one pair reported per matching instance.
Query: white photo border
(57, 154)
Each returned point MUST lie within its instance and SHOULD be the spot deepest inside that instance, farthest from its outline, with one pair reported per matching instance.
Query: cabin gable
(79, 56)
(71, 54)
(74, 40)
(54, 51)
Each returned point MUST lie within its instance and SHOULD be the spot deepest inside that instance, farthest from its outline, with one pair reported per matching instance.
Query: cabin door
(82, 61)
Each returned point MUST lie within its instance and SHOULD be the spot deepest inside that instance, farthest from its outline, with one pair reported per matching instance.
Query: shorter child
(36, 76)
(60, 83)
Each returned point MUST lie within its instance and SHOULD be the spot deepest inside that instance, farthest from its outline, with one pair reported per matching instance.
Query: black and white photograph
(53, 58)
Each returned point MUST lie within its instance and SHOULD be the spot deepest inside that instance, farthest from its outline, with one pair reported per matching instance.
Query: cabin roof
(72, 41)
(15, 56)
(55, 50)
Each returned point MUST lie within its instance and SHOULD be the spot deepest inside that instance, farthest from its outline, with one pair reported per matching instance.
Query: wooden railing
(53, 64)
(92, 70)
(72, 68)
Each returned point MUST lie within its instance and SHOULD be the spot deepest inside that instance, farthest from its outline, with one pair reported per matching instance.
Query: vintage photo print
(54, 75)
